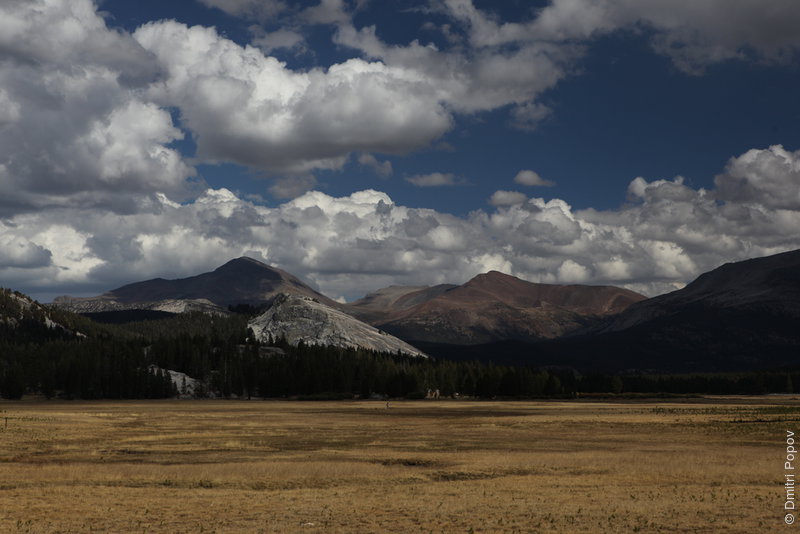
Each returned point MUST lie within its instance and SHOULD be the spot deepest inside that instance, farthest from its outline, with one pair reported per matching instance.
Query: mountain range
(490, 307)
(739, 316)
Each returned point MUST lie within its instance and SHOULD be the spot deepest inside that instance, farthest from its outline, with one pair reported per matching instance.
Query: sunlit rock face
(302, 319)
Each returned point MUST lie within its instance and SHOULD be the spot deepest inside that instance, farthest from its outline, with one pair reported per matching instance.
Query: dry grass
(711, 465)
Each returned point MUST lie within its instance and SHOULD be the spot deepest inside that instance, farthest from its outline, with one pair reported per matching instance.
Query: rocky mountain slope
(491, 307)
(21, 316)
(16, 308)
(298, 319)
(240, 281)
(107, 303)
(742, 315)
(768, 285)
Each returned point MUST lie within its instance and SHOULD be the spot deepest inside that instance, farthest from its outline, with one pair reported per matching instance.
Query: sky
(362, 143)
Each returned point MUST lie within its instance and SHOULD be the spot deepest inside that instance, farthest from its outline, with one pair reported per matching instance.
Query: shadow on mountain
(696, 339)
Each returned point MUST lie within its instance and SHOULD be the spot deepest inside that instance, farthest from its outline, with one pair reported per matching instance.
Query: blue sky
(625, 111)
(363, 143)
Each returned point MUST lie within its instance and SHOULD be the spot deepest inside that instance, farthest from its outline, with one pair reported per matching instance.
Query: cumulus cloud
(68, 81)
(531, 178)
(667, 234)
(251, 109)
(434, 179)
(766, 177)
(93, 193)
(693, 34)
(55, 33)
(71, 79)
(16, 251)
(74, 129)
(74, 83)
(475, 79)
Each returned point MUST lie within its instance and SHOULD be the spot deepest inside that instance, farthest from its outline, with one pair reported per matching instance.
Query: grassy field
(702, 465)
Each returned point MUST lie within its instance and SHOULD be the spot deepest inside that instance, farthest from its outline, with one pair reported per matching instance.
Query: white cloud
(90, 184)
(244, 107)
(263, 10)
(60, 37)
(326, 12)
(571, 272)
(766, 177)
(693, 34)
(381, 168)
(507, 198)
(16, 251)
(279, 39)
(434, 179)
(527, 116)
(665, 236)
(292, 186)
(531, 178)
(474, 79)
(250, 109)
(69, 82)
(74, 128)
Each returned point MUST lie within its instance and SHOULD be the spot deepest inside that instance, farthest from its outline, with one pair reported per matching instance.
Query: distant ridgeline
(251, 330)
(55, 353)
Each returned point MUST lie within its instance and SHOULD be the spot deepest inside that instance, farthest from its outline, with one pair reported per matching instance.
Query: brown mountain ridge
(490, 307)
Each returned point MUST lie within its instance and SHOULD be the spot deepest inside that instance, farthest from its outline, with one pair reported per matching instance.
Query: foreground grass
(705, 465)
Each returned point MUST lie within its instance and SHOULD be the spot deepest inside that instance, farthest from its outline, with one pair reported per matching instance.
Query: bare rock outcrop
(298, 319)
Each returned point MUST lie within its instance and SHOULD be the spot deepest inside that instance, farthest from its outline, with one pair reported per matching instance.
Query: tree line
(130, 361)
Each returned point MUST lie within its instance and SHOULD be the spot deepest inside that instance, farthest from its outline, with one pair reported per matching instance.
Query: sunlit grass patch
(353, 467)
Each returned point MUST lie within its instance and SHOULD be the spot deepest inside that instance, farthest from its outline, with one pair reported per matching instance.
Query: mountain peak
(241, 280)
(245, 264)
(497, 283)
(494, 277)
(245, 260)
